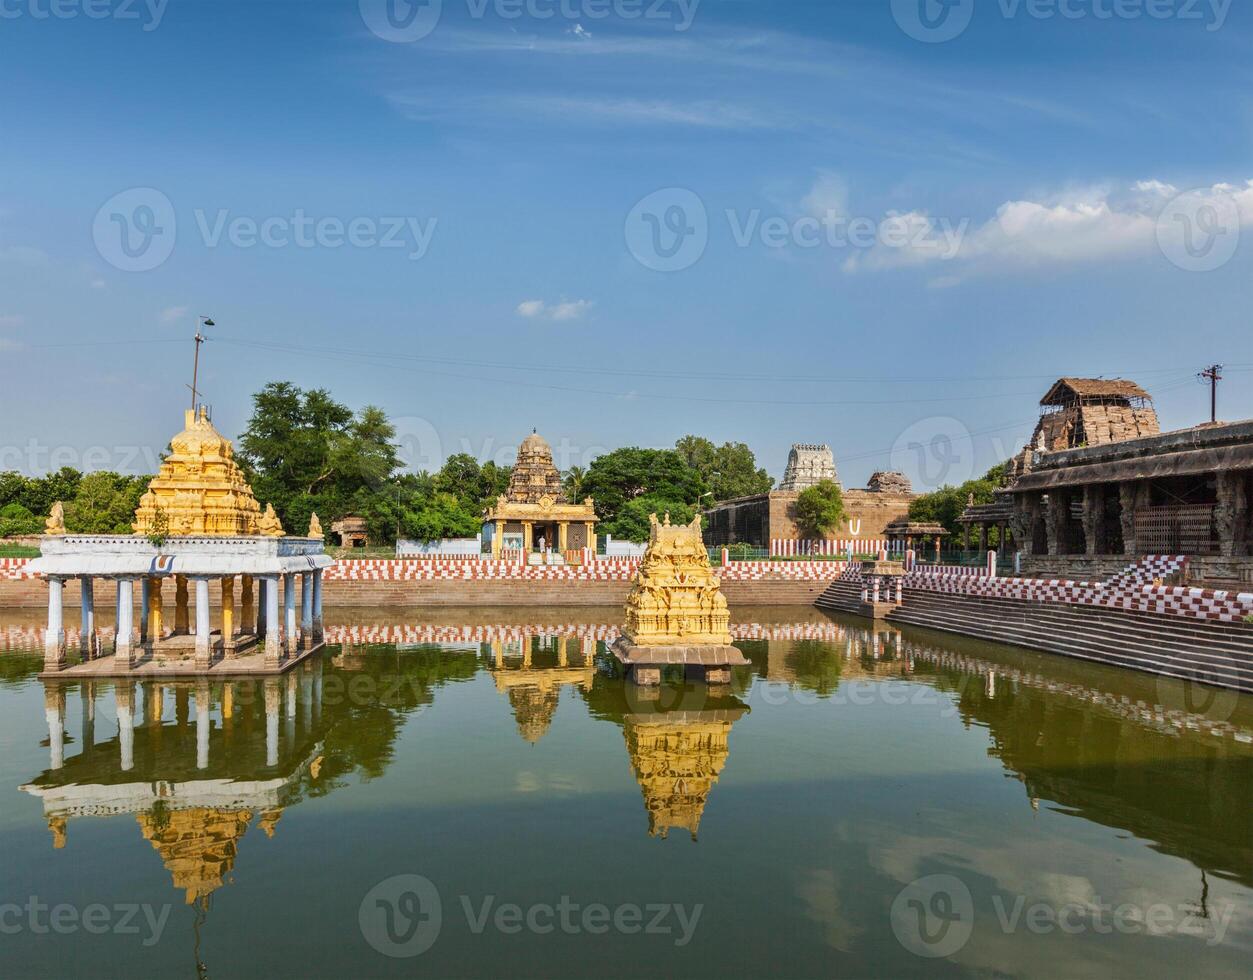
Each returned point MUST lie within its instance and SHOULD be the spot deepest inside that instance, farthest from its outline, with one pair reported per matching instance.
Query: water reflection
(203, 768)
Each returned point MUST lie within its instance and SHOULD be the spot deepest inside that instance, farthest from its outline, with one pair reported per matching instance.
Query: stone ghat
(474, 582)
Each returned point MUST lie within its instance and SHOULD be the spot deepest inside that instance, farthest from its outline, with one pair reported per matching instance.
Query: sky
(885, 225)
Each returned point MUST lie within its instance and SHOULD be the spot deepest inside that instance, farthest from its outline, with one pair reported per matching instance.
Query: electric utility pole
(1213, 375)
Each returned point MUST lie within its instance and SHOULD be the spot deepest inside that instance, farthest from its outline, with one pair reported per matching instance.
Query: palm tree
(572, 482)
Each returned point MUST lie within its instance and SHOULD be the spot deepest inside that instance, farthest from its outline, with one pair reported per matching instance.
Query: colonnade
(258, 620)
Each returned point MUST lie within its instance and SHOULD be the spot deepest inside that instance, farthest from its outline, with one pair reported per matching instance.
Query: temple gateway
(534, 516)
(200, 526)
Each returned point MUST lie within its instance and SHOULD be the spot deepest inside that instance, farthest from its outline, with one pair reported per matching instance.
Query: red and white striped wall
(795, 547)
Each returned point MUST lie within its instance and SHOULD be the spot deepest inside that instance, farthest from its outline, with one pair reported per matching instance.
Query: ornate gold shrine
(676, 599)
(200, 489)
(535, 507)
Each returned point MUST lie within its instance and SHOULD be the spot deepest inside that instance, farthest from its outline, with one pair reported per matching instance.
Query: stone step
(1170, 631)
(1131, 654)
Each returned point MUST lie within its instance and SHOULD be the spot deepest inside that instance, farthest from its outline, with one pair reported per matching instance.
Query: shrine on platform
(199, 525)
(534, 516)
(676, 612)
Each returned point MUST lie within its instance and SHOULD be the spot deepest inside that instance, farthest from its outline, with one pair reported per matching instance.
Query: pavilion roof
(1092, 388)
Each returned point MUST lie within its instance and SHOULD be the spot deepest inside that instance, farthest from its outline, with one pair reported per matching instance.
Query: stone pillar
(155, 617)
(273, 651)
(1231, 516)
(54, 639)
(498, 654)
(202, 722)
(318, 632)
(563, 537)
(263, 608)
(1056, 519)
(291, 709)
(124, 641)
(589, 539)
(983, 539)
(271, 721)
(527, 543)
(87, 619)
(204, 635)
(1128, 497)
(180, 604)
(145, 604)
(1094, 518)
(498, 539)
(247, 608)
(306, 609)
(54, 713)
(87, 697)
(1026, 506)
(124, 693)
(228, 615)
(290, 636)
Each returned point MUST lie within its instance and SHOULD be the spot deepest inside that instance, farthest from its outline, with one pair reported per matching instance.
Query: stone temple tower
(807, 465)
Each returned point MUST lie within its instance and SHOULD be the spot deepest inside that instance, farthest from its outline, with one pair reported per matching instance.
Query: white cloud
(827, 196)
(172, 314)
(1089, 224)
(579, 31)
(537, 309)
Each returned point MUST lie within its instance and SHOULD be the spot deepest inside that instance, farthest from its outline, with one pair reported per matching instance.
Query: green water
(480, 800)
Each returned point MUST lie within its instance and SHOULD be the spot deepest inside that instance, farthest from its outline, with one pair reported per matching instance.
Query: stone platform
(644, 663)
(245, 664)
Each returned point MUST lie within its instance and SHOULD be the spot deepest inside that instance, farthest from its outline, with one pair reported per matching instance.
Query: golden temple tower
(676, 599)
(200, 489)
(198, 846)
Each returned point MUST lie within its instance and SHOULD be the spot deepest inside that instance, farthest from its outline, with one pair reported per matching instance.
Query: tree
(945, 506)
(820, 508)
(16, 520)
(730, 470)
(305, 452)
(104, 504)
(631, 522)
(474, 485)
(572, 483)
(624, 475)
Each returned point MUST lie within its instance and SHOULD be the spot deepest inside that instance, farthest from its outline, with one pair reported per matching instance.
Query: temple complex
(676, 612)
(199, 525)
(761, 519)
(533, 516)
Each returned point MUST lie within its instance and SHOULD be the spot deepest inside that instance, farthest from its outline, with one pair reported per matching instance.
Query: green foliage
(729, 470)
(820, 508)
(104, 504)
(572, 481)
(305, 452)
(16, 520)
(38, 494)
(628, 482)
(945, 505)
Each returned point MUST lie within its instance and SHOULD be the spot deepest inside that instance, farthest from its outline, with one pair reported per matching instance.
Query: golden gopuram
(534, 516)
(200, 489)
(676, 612)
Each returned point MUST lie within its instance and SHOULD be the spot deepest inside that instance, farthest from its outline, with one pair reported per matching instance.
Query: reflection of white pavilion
(194, 817)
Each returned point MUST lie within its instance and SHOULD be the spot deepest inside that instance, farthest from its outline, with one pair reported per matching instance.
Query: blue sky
(889, 244)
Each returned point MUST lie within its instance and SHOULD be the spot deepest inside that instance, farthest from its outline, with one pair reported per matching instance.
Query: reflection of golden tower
(198, 845)
(533, 708)
(200, 489)
(677, 757)
(676, 599)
